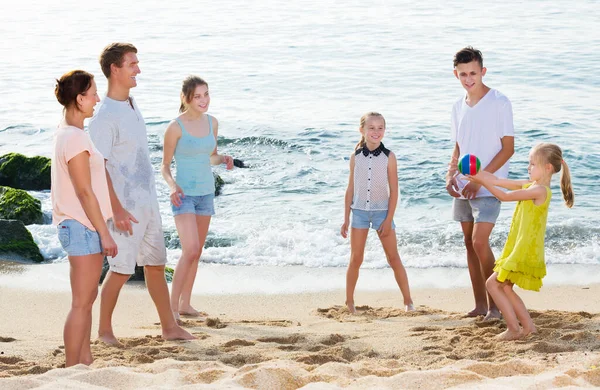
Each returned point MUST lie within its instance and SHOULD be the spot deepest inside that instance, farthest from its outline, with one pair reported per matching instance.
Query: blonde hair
(363, 121)
(552, 154)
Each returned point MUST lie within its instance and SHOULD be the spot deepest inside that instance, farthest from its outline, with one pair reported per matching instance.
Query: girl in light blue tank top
(193, 189)
(192, 158)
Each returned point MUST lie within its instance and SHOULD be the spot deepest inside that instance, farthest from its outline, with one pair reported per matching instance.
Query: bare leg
(108, 301)
(481, 244)
(190, 252)
(358, 239)
(185, 307)
(390, 247)
(496, 290)
(520, 310)
(157, 287)
(477, 280)
(84, 274)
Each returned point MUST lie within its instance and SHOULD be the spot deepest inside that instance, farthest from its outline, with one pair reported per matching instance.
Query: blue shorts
(362, 219)
(484, 209)
(199, 205)
(77, 239)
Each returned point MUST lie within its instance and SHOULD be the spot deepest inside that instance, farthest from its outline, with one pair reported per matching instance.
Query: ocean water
(289, 82)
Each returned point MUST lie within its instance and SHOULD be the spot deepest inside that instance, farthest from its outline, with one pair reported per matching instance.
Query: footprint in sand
(425, 329)
(281, 323)
(238, 343)
(332, 339)
(292, 339)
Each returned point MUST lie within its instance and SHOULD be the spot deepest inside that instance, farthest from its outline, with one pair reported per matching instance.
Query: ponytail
(565, 184)
(553, 155)
(182, 106)
(361, 143)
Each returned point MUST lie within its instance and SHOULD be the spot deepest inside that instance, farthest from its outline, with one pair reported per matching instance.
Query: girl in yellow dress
(522, 260)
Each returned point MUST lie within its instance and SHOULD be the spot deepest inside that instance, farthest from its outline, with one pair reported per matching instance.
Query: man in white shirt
(118, 131)
(482, 125)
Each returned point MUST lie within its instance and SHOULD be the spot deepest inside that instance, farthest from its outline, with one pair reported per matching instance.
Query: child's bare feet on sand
(351, 308)
(528, 331)
(476, 312)
(509, 335)
(409, 307)
(492, 315)
(110, 339)
(177, 333)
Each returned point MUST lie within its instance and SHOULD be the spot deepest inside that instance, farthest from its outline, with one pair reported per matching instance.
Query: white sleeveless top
(371, 188)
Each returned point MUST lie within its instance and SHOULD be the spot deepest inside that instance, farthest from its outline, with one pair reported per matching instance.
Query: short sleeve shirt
(69, 141)
(479, 130)
(118, 130)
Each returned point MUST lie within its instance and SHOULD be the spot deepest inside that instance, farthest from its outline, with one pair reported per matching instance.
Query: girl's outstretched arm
(536, 193)
(484, 176)
(348, 199)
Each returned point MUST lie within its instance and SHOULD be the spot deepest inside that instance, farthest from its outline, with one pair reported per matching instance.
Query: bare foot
(409, 307)
(508, 335)
(88, 360)
(351, 308)
(527, 331)
(191, 312)
(110, 339)
(476, 312)
(177, 333)
(177, 319)
(492, 315)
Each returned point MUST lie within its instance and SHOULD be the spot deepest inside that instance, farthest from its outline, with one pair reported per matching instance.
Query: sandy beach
(290, 341)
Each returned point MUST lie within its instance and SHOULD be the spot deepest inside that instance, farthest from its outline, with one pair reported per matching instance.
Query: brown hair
(187, 90)
(113, 54)
(363, 121)
(552, 154)
(468, 54)
(71, 85)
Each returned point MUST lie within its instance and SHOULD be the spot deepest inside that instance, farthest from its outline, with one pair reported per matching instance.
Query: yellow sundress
(522, 260)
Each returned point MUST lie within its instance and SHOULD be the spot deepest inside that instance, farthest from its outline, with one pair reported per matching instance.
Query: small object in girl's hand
(469, 164)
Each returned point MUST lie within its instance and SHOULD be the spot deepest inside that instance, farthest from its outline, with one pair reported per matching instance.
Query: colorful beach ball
(469, 164)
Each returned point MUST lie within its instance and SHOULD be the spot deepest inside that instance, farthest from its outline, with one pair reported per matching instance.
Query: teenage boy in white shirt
(482, 124)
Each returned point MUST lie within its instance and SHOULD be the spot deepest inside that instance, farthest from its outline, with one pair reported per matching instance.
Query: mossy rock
(18, 204)
(26, 173)
(218, 184)
(16, 242)
(138, 275)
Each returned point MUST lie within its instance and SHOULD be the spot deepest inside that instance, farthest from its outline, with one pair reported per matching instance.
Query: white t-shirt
(479, 130)
(118, 131)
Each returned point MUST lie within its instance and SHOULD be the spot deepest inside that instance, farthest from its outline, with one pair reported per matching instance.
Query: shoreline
(222, 279)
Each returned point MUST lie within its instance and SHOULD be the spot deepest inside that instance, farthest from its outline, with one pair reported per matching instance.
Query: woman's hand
(109, 246)
(228, 160)
(176, 195)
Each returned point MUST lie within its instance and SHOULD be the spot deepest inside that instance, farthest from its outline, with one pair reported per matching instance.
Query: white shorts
(145, 247)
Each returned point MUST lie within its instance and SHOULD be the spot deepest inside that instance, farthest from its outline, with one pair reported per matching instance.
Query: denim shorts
(484, 209)
(362, 219)
(77, 239)
(199, 205)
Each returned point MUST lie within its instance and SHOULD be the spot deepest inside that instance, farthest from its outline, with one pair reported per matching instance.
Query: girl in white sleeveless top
(372, 195)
